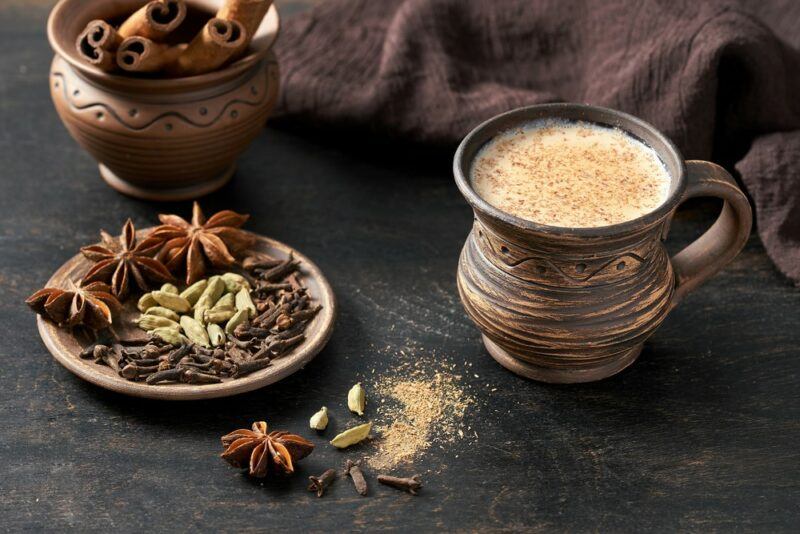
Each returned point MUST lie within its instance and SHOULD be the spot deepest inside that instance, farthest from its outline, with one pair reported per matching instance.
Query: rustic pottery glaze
(576, 304)
(160, 138)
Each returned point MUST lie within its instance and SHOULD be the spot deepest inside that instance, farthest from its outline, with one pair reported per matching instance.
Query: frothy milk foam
(570, 174)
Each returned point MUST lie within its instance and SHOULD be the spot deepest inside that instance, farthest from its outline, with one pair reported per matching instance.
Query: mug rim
(557, 111)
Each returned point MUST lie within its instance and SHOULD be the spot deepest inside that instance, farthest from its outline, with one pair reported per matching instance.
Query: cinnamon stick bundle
(97, 44)
(249, 13)
(139, 54)
(216, 43)
(155, 20)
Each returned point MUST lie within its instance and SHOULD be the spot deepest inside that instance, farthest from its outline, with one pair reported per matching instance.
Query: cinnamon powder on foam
(570, 174)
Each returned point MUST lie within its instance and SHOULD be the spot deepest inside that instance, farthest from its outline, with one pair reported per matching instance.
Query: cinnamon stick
(155, 20)
(216, 43)
(97, 44)
(139, 54)
(249, 13)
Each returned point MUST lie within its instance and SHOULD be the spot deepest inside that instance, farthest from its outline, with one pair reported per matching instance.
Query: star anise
(190, 245)
(92, 305)
(264, 452)
(119, 262)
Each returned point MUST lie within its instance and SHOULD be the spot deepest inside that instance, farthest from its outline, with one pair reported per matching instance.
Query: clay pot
(576, 304)
(161, 138)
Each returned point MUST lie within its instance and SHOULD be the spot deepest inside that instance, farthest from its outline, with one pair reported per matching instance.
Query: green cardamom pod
(218, 315)
(169, 288)
(151, 322)
(216, 335)
(193, 292)
(357, 399)
(319, 420)
(238, 318)
(244, 302)
(226, 301)
(234, 282)
(351, 436)
(174, 302)
(169, 334)
(146, 302)
(194, 330)
(211, 294)
(199, 311)
(163, 312)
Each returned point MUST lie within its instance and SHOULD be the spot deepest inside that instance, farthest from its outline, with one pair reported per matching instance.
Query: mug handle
(713, 250)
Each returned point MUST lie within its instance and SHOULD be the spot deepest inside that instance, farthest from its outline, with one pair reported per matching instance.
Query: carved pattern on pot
(258, 86)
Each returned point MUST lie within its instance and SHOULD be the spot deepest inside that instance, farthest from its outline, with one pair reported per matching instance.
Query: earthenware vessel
(161, 138)
(576, 304)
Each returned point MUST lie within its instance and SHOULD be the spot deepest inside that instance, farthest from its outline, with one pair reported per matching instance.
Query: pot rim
(128, 82)
(488, 129)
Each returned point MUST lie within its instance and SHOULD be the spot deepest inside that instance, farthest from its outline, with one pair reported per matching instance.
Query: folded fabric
(720, 77)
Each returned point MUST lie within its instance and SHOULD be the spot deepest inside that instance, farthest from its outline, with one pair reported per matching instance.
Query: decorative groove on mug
(161, 142)
(572, 325)
(516, 257)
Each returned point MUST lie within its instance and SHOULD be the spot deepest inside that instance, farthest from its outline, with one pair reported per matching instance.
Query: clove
(245, 368)
(260, 262)
(167, 375)
(134, 371)
(353, 470)
(320, 483)
(411, 485)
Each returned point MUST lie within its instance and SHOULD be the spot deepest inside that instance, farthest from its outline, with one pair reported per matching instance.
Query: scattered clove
(353, 470)
(320, 483)
(411, 485)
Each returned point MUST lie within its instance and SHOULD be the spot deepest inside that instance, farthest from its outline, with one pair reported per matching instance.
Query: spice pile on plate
(223, 326)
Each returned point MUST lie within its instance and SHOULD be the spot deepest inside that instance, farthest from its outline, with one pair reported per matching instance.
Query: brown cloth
(721, 78)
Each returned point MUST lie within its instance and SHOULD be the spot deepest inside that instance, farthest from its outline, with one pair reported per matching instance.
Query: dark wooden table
(700, 434)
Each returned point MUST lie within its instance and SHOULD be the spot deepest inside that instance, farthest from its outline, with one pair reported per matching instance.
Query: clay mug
(161, 138)
(570, 305)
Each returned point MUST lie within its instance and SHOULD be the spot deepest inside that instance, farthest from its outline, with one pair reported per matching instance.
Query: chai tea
(570, 174)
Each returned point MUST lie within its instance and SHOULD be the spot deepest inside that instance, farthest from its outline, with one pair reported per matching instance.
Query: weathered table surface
(700, 434)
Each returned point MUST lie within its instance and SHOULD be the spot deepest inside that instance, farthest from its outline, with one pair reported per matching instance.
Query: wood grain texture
(699, 435)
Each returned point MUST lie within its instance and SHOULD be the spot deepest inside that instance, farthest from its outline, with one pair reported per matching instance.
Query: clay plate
(66, 348)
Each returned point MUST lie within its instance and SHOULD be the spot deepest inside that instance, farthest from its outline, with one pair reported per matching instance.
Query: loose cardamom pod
(216, 335)
(146, 302)
(169, 288)
(234, 282)
(195, 331)
(193, 292)
(351, 436)
(151, 322)
(163, 312)
(168, 334)
(238, 318)
(226, 301)
(215, 315)
(357, 399)
(211, 294)
(319, 420)
(174, 302)
(244, 302)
